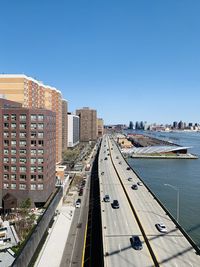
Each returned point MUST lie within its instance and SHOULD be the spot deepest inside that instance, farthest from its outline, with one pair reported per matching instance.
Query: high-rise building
(130, 125)
(73, 130)
(34, 94)
(100, 127)
(88, 124)
(64, 124)
(27, 153)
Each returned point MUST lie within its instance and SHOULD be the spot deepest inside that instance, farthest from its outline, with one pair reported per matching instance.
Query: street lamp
(177, 205)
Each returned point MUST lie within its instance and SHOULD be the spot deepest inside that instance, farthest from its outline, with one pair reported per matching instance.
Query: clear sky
(130, 60)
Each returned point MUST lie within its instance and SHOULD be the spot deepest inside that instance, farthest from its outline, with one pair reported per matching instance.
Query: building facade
(88, 124)
(64, 124)
(100, 127)
(27, 152)
(73, 130)
(34, 94)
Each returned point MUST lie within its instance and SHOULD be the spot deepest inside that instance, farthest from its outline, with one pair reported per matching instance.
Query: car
(136, 242)
(78, 203)
(105, 158)
(139, 183)
(117, 157)
(115, 204)
(128, 168)
(134, 187)
(80, 193)
(130, 179)
(120, 162)
(102, 173)
(107, 198)
(161, 227)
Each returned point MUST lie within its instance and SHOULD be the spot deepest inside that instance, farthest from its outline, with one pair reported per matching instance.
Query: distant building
(100, 127)
(64, 124)
(130, 125)
(88, 124)
(180, 125)
(175, 124)
(28, 153)
(73, 130)
(34, 94)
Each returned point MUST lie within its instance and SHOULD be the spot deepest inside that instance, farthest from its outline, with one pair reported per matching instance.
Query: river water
(183, 174)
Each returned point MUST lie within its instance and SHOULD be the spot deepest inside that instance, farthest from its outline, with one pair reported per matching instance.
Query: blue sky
(130, 60)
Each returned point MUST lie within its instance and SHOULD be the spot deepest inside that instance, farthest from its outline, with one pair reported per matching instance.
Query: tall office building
(73, 130)
(64, 124)
(34, 94)
(27, 153)
(88, 124)
(100, 127)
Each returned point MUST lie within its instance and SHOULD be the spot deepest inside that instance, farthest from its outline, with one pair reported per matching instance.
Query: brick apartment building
(27, 153)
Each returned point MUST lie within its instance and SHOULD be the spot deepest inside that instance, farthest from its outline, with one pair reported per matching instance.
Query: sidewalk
(52, 251)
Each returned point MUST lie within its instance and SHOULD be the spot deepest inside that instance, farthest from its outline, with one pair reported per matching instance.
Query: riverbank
(162, 156)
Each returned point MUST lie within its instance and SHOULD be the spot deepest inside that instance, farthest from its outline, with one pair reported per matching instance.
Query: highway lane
(118, 224)
(172, 249)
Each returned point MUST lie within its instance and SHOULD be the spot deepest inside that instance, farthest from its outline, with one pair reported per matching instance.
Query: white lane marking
(119, 248)
(126, 222)
(115, 223)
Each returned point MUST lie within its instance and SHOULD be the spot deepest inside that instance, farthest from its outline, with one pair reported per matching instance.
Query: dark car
(128, 168)
(115, 204)
(134, 187)
(136, 242)
(107, 198)
(106, 158)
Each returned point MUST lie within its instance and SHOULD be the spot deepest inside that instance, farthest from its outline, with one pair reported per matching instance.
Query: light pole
(177, 205)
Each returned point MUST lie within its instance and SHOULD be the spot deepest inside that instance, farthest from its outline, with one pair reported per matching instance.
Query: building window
(40, 135)
(13, 134)
(33, 134)
(6, 176)
(33, 126)
(13, 142)
(33, 160)
(6, 134)
(40, 117)
(6, 168)
(13, 117)
(13, 160)
(22, 169)
(40, 151)
(13, 177)
(13, 125)
(40, 160)
(40, 168)
(33, 177)
(22, 135)
(22, 177)
(40, 126)
(22, 126)
(40, 142)
(6, 151)
(13, 151)
(6, 117)
(22, 186)
(22, 143)
(33, 117)
(33, 169)
(40, 186)
(6, 142)
(13, 168)
(33, 186)
(33, 142)
(6, 125)
(40, 177)
(22, 160)
(22, 117)
(22, 151)
(5, 185)
(33, 152)
(5, 160)
(13, 186)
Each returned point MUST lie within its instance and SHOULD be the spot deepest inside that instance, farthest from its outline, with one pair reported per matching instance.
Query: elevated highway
(138, 213)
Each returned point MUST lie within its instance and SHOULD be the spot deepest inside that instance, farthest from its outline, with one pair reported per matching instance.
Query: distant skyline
(130, 60)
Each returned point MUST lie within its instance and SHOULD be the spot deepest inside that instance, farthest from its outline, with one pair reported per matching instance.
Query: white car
(161, 227)
(78, 203)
